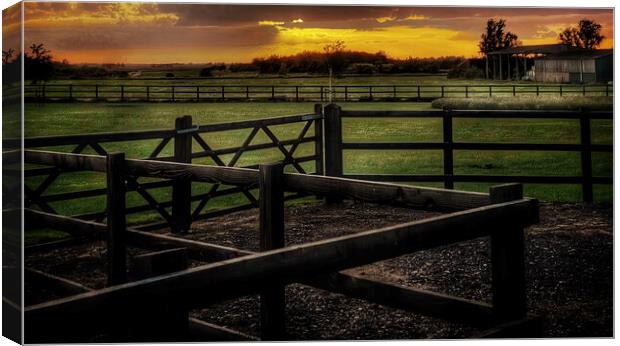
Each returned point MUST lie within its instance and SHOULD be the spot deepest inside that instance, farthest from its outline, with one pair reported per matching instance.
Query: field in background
(403, 88)
(56, 119)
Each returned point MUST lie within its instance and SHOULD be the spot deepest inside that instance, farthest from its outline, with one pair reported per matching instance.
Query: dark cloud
(208, 14)
(139, 36)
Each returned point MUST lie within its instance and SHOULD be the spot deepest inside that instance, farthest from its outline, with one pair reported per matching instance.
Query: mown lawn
(56, 119)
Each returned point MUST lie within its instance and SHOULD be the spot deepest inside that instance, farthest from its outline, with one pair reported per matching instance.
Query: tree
(586, 35)
(495, 38)
(334, 54)
(38, 64)
(7, 56)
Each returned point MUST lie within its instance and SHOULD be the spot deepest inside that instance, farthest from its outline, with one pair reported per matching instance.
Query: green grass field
(68, 118)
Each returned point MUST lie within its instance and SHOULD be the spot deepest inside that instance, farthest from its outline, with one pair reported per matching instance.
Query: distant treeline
(346, 62)
(39, 66)
(68, 71)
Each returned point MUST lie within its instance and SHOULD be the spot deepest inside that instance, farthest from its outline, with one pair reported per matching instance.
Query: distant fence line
(294, 93)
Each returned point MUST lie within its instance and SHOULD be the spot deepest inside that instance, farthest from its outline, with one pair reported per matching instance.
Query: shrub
(465, 70)
(206, 72)
(527, 103)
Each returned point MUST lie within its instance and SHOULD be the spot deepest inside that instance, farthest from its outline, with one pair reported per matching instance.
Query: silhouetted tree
(11, 67)
(494, 38)
(7, 56)
(334, 54)
(38, 64)
(586, 35)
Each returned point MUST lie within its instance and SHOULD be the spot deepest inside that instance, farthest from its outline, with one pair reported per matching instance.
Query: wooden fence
(219, 93)
(501, 215)
(182, 138)
(334, 146)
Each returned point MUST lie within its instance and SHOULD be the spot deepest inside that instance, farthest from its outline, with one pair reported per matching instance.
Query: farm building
(575, 67)
(556, 63)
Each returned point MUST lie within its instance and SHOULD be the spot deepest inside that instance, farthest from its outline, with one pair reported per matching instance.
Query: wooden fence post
(442, 93)
(156, 321)
(273, 92)
(247, 92)
(466, 91)
(223, 93)
(560, 90)
(490, 91)
(332, 127)
(117, 252)
(43, 93)
(537, 90)
(271, 203)
(71, 92)
(321, 94)
(346, 93)
(606, 89)
(514, 89)
(448, 162)
(507, 261)
(96, 92)
(296, 93)
(318, 133)
(197, 93)
(122, 93)
(418, 92)
(148, 93)
(182, 188)
(173, 93)
(586, 157)
(370, 92)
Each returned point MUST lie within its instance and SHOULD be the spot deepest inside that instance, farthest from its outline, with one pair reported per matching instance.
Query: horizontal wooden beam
(477, 146)
(47, 141)
(509, 114)
(243, 275)
(56, 244)
(54, 283)
(11, 157)
(198, 329)
(204, 331)
(209, 174)
(75, 227)
(258, 122)
(202, 250)
(407, 298)
(471, 178)
(66, 160)
(377, 192)
(529, 327)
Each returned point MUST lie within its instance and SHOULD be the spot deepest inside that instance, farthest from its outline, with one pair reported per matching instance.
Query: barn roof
(580, 54)
(537, 49)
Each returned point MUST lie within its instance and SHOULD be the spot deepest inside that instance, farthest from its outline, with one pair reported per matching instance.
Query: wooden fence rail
(334, 146)
(73, 318)
(218, 93)
(182, 139)
(278, 267)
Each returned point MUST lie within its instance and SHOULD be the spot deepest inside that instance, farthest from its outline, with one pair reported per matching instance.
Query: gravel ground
(569, 273)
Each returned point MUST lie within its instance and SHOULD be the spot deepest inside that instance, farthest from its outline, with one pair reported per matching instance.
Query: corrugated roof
(537, 49)
(580, 54)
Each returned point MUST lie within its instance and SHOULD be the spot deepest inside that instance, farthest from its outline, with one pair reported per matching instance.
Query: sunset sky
(198, 33)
